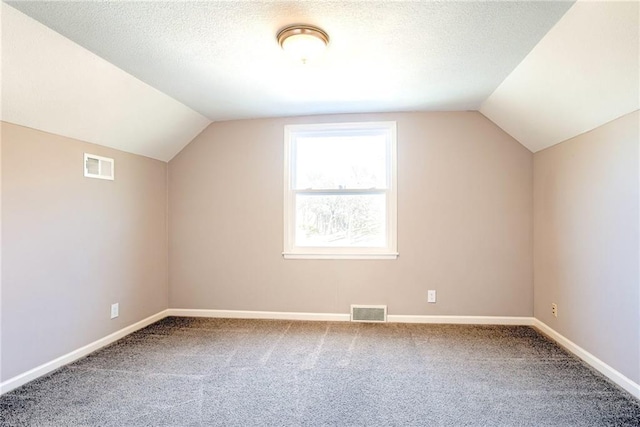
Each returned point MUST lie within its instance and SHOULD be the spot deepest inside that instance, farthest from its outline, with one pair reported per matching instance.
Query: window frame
(291, 133)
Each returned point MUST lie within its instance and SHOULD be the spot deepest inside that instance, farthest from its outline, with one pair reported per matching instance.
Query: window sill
(392, 255)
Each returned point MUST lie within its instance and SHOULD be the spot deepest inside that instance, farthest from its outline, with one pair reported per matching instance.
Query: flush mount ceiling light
(303, 42)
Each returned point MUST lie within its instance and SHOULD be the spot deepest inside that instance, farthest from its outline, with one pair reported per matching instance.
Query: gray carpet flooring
(222, 372)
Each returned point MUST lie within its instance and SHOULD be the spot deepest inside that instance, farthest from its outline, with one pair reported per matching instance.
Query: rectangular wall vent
(368, 313)
(98, 167)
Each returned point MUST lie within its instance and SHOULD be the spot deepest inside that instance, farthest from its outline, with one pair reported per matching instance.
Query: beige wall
(468, 205)
(71, 246)
(464, 223)
(1, 316)
(586, 242)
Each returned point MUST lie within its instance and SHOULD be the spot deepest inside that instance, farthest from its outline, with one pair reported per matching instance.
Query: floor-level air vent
(368, 313)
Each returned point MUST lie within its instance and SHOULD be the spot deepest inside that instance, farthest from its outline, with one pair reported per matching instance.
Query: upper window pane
(340, 162)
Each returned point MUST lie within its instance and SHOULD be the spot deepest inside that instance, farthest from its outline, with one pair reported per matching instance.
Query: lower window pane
(340, 221)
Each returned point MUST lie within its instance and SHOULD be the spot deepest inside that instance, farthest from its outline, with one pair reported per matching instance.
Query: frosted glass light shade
(303, 42)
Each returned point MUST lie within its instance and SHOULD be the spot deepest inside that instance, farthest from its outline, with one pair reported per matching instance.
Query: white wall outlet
(115, 310)
(554, 309)
(431, 296)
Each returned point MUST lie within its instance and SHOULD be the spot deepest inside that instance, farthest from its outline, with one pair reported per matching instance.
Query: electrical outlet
(554, 309)
(431, 296)
(115, 310)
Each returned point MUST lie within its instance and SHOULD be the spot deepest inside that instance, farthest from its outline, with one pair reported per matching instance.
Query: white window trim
(294, 252)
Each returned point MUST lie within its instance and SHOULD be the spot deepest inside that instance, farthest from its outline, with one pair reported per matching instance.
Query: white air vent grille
(98, 167)
(369, 313)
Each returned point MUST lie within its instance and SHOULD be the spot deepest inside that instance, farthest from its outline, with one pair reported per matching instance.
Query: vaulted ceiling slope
(584, 73)
(146, 77)
(52, 84)
(222, 60)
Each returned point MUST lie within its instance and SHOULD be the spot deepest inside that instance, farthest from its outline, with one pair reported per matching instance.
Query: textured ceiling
(221, 58)
(146, 77)
(584, 73)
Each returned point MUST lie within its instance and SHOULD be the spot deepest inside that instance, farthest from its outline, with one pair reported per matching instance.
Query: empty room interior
(312, 213)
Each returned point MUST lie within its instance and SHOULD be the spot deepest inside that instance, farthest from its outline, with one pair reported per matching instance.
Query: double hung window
(340, 190)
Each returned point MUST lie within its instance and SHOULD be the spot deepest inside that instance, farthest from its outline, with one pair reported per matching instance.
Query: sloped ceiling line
(52, 84)
(584, 73)
(146, 77)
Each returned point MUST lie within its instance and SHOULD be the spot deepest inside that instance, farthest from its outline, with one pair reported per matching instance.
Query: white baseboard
(241, 314)
(590, 359)
(461, 320)
(340, 317)
(45, 368)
